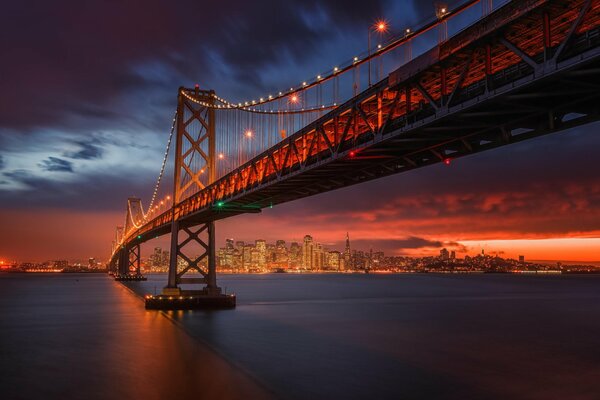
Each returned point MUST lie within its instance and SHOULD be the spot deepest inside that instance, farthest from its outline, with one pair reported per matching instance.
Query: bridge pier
(184, 237)
(128, 264)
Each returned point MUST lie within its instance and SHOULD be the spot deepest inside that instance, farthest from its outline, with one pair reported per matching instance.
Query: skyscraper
(347, 253)
(261, 249)
(444, 254)
(295, 255)
(307, 252)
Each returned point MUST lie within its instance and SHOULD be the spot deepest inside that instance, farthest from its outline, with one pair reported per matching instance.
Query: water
(344, 336)
(73, 336)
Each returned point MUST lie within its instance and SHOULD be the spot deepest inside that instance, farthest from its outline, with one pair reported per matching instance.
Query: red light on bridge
(447, 161)
(352, 153)
(381, 26)
(197, 86)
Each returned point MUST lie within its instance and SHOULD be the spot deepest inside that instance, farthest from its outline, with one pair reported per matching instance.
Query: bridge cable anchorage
(162, 168)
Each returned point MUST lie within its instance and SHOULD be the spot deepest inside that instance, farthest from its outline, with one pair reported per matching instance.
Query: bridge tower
(193, 240)
(129, 257)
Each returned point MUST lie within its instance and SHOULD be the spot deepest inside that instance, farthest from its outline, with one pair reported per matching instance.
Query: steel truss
(194, 169)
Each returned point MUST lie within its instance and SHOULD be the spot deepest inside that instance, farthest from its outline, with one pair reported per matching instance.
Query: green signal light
(220, 204)
(139, 236)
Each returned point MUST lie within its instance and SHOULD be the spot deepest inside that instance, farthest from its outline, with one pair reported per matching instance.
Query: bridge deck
(528, 69)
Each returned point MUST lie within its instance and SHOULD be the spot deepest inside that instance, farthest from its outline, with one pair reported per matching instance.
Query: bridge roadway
(530, 68)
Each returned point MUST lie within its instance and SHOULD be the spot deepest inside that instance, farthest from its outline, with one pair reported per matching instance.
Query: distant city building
(60, 264)
(295, 255)
(334, 261)
(521, 259)
(444, 254)
(347, 253)
(261, 254)
(307, 252)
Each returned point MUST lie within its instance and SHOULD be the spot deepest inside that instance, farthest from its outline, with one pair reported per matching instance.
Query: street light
(248, 134)
(380, 27)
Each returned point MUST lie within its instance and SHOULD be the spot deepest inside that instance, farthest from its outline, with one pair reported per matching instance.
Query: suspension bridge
(523, 69)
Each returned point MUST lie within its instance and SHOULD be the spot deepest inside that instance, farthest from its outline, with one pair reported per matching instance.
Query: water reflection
(88, 337)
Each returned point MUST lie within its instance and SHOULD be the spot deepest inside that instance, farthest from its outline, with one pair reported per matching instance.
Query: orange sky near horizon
(555, 249)
(84, 234)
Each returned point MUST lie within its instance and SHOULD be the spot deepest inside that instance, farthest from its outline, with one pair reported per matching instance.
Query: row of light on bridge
(381, 27)
(294, 98)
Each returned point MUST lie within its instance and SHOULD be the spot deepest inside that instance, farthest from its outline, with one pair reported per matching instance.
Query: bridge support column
(134, 259)
(128, 264)
(123, 263)
(199, 240)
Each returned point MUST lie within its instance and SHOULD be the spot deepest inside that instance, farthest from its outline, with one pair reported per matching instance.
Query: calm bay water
(309, 337)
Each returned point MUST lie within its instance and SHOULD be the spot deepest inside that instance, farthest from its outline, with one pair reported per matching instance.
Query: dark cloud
(394, 245)
(56, 164)
(98, 193)
(1, 162)
(88, 150)
(78, 58)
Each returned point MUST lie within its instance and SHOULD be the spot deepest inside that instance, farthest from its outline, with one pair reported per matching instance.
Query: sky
(88, 90)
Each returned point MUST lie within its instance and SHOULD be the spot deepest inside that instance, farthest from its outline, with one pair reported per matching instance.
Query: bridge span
(529, 68)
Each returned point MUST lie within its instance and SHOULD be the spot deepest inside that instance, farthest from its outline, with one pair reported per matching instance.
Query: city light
(248, 133)
(221, 156)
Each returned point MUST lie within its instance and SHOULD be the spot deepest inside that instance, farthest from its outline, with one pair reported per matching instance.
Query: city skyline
(341, 246)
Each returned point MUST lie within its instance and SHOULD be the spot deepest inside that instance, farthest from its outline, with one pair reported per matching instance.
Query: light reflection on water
(305, 337)
(409, 336)
(68, 336)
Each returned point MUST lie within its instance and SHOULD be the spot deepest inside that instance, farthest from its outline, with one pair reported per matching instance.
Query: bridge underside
(496, 118)
(505, 116)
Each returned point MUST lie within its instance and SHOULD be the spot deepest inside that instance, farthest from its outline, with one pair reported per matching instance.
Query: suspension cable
(162, 168)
